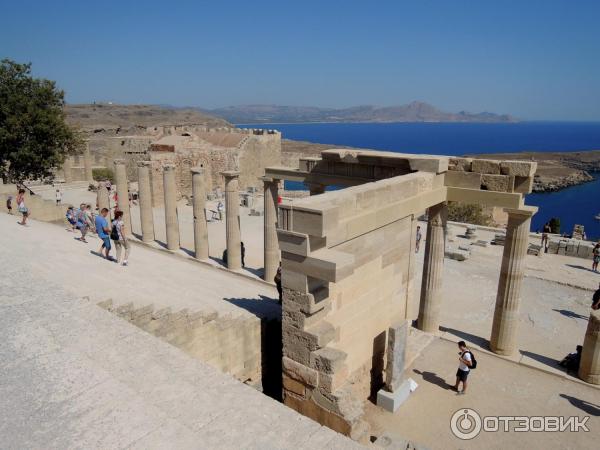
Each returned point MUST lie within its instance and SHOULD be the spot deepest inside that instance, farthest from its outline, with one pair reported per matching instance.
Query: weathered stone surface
(327, 360)
(489, 166)
(498, 183)
(589, 368)
(460, 164)
(523, 185)
(470, 180)
(456, 254)
(295, 386)
(300, 372)
(518, 168)
(396, 355)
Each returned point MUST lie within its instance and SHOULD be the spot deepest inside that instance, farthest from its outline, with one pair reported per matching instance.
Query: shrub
(103, 175)
(555, 225)
(467, 213)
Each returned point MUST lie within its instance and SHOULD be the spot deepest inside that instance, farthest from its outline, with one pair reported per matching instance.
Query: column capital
(199, 170)
(119, 161)
(144, 163)
(525, 211)
(266, 179)
(231, 173)
(168, 167)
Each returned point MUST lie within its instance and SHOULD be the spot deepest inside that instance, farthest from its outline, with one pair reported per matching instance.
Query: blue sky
(533, 59)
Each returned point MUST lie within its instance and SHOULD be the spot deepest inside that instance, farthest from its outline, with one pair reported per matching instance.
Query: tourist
(277, 280)
(103, 231)
(70, 216)
(596, 257)
(220, 209)
(465, 361)
(243, 252)
(9, 204)
(82, 222)
(418, 239)
(596, 299)
(20, 200)
(58, 197)
(120, 238)
(545, 233)
(89, 218)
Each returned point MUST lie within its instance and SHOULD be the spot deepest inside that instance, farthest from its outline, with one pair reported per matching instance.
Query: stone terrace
(75, 376)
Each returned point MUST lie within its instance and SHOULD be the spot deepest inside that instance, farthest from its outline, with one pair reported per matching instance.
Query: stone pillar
(199, 205)
(589, 367)
(431, 284)
(171, 222)
(506, 313)
(316, 188)
(145, 199)
(123, 192)
(87, 163)
(232, 217)
(102, 197)
(271, 259)
(67, 169)
(396, 355)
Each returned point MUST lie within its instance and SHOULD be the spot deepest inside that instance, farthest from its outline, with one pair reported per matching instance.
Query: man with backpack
(466, 363)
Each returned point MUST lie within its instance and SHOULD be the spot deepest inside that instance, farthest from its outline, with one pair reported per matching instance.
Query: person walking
(465, 362)
(546, 231)
(243, 254)
(220, 209)
(120, 239)
(596, 299)
(82, 224)
(58, 195)
(70, 216)
(418, 239)
(596, 256)
(277, 280)
(9, 204)
(20, 200)
(103, 231)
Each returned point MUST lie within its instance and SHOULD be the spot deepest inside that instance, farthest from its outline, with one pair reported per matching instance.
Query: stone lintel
(487, 198)
(325, 264)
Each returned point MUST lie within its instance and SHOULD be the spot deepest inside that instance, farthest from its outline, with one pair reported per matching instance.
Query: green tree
(34, 137)
(468, 213)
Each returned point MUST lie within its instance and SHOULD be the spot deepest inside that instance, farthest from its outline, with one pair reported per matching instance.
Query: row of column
(503, 338)
(232, 214)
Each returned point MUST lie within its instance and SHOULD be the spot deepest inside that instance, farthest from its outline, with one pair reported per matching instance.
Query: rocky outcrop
(552, 184)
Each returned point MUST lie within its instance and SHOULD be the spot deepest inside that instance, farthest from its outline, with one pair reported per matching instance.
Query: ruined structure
(347, 266)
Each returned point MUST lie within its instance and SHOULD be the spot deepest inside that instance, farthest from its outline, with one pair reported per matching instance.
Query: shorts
(106, 242)
(462, 375)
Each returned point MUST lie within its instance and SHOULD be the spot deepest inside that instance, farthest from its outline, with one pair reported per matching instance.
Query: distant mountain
(412, 112)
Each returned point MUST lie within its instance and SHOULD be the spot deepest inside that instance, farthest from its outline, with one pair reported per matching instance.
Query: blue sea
(577, 204)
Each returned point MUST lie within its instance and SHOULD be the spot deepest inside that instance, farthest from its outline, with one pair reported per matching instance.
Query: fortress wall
(257, 153)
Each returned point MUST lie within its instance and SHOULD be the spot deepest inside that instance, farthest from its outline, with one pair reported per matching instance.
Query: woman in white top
(120, 238)
(20, 200)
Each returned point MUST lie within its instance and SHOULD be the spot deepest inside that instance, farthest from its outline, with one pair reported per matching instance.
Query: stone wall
(39, 209)
(347, 271)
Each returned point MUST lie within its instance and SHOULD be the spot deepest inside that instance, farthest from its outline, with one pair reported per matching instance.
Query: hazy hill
(100, 116)
(412, 112)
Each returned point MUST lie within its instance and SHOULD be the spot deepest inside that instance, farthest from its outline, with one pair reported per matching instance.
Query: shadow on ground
(463, 335)
(433, 378)
(585, 406)
(570, 314)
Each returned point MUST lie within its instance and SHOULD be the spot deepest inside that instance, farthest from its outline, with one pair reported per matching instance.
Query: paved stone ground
(75, 376)
(497, 387)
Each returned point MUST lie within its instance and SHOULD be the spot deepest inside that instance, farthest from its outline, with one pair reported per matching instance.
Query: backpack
(473, 360)
(114, 233)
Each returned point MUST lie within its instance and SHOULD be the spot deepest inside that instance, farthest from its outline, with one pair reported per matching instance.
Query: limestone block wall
(347, 272)
(257, 153)
(40, 209)
(491, 175)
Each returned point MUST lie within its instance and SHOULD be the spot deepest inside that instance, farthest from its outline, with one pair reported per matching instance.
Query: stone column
(431, 284)
(232, 218)
(506, 313)
(123, 192)
(199, 205)
(102, 197)
(67, 169)
(145, 199)
(589, 367)
(271, 244)
(87, 163)
(171, 222)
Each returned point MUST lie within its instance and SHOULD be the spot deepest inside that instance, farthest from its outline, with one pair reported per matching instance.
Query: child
(9, 204)
(70, 215)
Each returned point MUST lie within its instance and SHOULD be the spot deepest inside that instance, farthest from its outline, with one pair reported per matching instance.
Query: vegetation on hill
(34, 136)
(467, 213)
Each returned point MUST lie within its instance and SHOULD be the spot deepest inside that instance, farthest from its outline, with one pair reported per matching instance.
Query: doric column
(171, 222)
(506, 313)
(316, 188)
(102, 197)
(145, 199)
(67, 169)
(87, 163)
(271, 259)
(199, 205)
(589, 367)
(123, 192)
(431, 285)
(232, 218)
